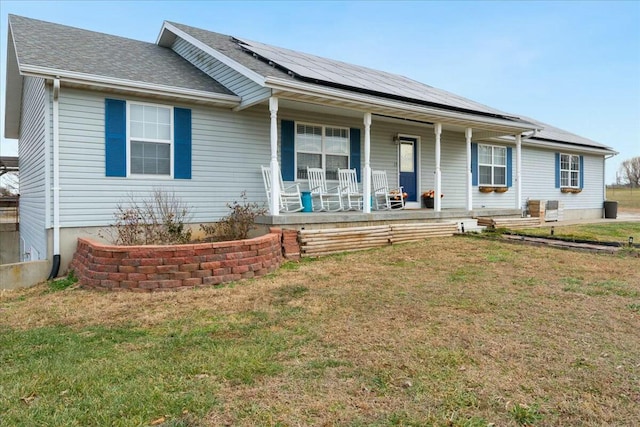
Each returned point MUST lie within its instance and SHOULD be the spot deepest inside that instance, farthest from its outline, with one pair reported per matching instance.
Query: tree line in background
(629, 173)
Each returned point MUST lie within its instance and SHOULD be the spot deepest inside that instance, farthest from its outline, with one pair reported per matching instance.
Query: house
(100, 117)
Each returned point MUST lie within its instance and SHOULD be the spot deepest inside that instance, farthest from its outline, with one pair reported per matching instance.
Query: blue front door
(408, 167)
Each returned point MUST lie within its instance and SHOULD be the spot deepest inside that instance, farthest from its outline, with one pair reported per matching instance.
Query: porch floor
(300, 220)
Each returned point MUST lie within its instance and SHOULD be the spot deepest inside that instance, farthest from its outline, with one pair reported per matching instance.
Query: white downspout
(56, 179)
(519, 171)
(274, 208)
(366, 178)
(438, 177)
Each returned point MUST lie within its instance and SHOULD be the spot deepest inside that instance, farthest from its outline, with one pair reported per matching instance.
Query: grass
(627, 198)
(445, 332)
(605, 232)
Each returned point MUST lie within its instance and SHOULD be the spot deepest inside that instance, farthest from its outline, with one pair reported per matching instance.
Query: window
(569, 170)
(150, 139)
(492, 162)
(321, 147)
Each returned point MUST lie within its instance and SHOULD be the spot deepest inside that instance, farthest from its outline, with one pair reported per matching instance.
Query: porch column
(519, 171)
(438, 177)
(366, 176)
(274, 205)
(468, 133)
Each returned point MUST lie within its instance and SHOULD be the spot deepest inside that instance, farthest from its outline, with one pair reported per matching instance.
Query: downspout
(604, 175)
(55, 266)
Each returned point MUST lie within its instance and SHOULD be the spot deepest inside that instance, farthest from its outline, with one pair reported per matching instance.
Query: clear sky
(575, 65)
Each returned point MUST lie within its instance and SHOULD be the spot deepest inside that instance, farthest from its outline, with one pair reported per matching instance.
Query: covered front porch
(440, 144)
(322, 220)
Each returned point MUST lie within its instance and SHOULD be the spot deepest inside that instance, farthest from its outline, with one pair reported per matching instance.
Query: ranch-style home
(101, 117)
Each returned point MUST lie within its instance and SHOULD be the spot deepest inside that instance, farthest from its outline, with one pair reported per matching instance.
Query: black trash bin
(610, 209)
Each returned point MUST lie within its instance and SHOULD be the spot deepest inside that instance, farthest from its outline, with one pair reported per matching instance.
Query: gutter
(82, 79)
(55, 266)
(367, 102)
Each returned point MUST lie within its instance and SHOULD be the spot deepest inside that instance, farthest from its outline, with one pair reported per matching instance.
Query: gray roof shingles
(60, 47)
(552, 133)
(389, 84)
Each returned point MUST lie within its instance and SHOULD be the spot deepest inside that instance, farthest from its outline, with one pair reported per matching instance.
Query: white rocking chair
(349, 191)
(290, 197)
(383, 196)
(330, 198)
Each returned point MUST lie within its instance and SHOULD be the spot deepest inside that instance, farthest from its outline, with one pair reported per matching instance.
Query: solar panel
(340, 73)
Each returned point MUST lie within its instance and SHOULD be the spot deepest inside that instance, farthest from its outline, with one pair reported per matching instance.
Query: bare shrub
(156, 220)
(237, 225)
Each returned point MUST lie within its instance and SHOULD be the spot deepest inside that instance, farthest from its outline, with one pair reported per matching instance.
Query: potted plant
(427, 198)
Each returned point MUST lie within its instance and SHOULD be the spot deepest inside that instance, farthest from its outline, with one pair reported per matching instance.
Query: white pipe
(366, 177)
(56, 167)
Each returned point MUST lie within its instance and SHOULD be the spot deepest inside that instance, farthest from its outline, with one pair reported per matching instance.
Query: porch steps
(510, 223)
(334, 240)
(401, 233)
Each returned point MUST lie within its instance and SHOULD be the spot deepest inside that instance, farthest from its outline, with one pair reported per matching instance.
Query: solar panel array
(341, 73)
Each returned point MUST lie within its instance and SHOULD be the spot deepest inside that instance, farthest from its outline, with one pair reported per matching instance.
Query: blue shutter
(557, 170)
(182, 143)
(354, 151)
(115, 127)
(288, 150)
(581, 171)
(474, 164)
(509, 167)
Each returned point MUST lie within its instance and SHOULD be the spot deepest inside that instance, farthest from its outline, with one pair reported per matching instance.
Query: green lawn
(608, 232)
(447, 332)
(626, 197)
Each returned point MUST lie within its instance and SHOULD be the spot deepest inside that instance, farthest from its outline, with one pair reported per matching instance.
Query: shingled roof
(294, 65)
(554, 134)
(60, 47)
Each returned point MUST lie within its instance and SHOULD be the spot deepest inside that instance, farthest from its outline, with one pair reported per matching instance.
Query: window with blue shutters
(143, 139)
(325, 147)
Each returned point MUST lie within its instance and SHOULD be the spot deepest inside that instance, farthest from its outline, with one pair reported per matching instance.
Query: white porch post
(519, 171)
(438, 177)
(366, 176)
(468, 133)
(274, 206)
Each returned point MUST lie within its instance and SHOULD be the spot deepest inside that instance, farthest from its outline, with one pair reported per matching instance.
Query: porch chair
(290, 196)
(383, 196)
(349, 191)
(329, 197)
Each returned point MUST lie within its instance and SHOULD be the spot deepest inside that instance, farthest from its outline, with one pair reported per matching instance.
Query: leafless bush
(157, 220)
(236, 225)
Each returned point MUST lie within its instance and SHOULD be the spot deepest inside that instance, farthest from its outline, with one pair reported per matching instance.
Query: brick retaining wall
(163, 268)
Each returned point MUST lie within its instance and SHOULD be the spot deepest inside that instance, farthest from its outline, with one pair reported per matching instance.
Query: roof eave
(13, 98)
(562, 145)
(378, 104)
(131, 86)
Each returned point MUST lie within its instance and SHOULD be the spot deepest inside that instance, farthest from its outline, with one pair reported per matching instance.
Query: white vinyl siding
(538, 179)
(248, 90)
(31, 148)
(227, 151)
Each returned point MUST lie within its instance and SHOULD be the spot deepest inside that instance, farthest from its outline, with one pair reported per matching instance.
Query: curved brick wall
(162, 268)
